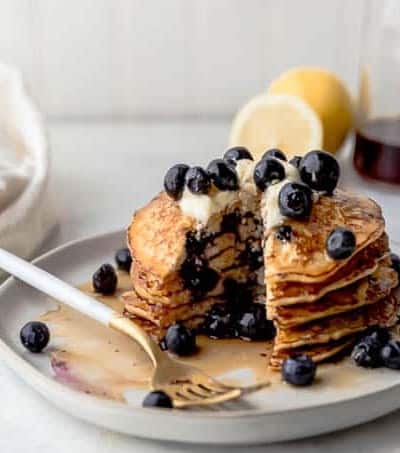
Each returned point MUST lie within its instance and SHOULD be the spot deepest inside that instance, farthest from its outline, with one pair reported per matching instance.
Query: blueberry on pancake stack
(250, 249)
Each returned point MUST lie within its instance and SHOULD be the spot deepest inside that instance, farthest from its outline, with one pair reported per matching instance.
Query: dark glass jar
(377, 143)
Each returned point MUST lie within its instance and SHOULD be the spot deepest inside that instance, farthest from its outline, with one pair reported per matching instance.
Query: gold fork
(186, 385)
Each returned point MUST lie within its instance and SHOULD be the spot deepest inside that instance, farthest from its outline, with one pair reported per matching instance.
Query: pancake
(363, 263)
(363, 292)
(304, 258)
(157, 332)
(157, 237)
(163, 316)
(161, 238)
(319, 352)
(383, 313)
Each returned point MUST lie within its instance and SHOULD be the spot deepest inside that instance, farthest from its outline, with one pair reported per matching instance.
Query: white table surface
(101, 173)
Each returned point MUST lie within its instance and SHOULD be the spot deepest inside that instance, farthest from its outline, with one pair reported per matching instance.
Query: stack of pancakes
(319, 304)
(166, 246)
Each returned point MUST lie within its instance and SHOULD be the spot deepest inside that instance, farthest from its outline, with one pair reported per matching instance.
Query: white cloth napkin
(26, 212)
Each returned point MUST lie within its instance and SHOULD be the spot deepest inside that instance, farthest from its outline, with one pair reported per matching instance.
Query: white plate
(279, 413)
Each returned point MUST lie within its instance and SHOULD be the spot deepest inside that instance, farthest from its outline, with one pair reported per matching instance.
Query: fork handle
(69, 295)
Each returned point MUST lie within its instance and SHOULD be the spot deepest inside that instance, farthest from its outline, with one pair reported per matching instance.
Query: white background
(157, 58)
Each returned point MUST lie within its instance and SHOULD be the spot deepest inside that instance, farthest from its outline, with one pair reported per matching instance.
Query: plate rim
(18, 365)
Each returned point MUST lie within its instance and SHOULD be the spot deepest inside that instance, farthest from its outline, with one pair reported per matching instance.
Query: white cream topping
(271, 214)
(202, 207)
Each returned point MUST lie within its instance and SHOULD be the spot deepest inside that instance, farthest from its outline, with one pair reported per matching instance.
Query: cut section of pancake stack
(183, 267)
(180, 273)
(319, 304)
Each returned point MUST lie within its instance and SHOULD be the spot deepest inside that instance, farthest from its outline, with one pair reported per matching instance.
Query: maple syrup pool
(94, 359)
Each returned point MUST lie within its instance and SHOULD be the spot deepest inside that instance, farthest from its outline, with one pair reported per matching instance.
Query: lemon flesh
(276, 121)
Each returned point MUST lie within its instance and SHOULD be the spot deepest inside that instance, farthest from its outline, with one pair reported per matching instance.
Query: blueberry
(395, 263)
(230, 222)
(198, 180)
(299, 370)
(180, 340)
(295, 200)
(340, 243)
(198, 277)
(254, 325)
(390, 354)
(123, 259)
(157, 398)
(366, 353)
(223, 175)
(237, 295)
(277, 153)
(284, 233)
(195, 245)
(220, 322)
(174, 180)
(35, 336)
(295, 161)
(105, 279)
(268, 171)
(379, 334)
(237, 153)
(252, 256)
(320, 171)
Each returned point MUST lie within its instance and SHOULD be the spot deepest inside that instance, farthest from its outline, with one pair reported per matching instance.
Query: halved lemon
(276, 121)
(326, 94)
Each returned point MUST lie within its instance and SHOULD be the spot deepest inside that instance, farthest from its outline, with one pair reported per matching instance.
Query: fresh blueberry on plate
(299, 370)
(277, 153)
(284, 233)
(219, 322)
(35, 336)
(254, 325)
(123, 259)
(268, 171)
(320, 171)
(295, 200)
(379, 334)
(395, 263)
(390, 354)
(341, 243)
(295, 161)
(223, 174)
(198, 180)
(237, 153)
(105, 280)
(180, 340)
(174, 180)
(157, 398)
(366, 353)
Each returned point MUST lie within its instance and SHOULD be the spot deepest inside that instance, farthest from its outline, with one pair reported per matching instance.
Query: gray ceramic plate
(343, 398)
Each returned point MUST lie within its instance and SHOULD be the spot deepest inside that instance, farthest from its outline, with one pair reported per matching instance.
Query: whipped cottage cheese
(202, 207)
